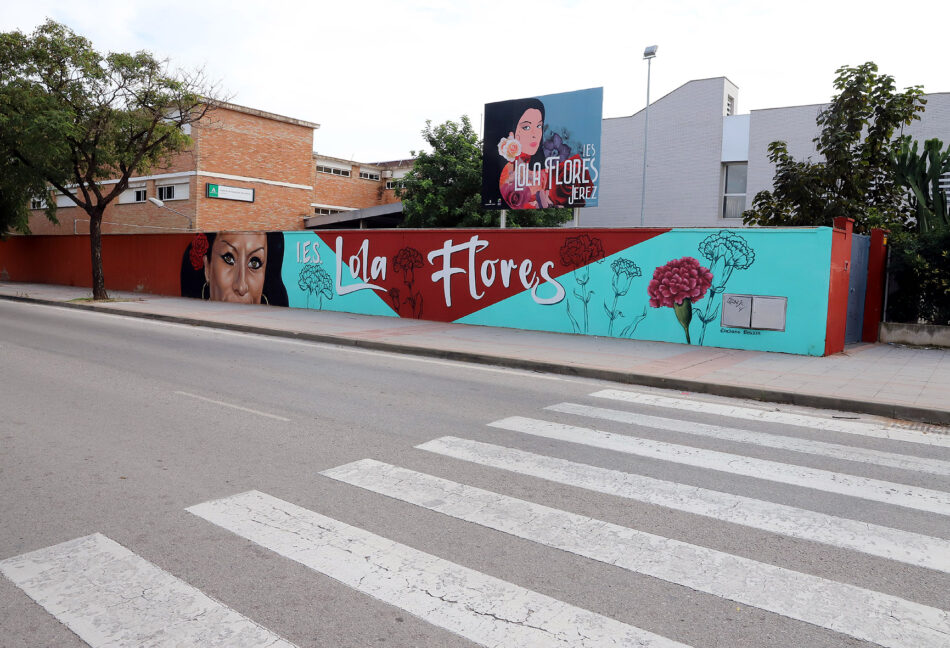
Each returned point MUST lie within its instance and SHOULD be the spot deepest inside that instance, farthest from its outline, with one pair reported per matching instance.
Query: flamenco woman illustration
(519, 163)
(239, 267)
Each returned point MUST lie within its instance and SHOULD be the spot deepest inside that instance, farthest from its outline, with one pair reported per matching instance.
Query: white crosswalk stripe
(872, 616)
(483, 609)
(807, 446)
(872, 539)
(112, 598)
(771, 416)
(922, 499)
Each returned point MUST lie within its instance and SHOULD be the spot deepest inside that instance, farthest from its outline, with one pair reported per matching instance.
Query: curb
(888, 410)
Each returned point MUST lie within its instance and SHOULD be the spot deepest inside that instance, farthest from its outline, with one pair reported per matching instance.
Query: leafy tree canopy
(19, 186)
(73, 118)
(443, 189)
(859, 132)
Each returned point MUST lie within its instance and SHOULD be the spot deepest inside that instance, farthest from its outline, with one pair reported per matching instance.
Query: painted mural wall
(761, 289)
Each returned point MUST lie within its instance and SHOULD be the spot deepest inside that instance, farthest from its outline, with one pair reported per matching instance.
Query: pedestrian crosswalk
(832, 424)
(109, 596)
(923, 499)
(486, 610)
(777, 441)
(854, 611)
(876, 540)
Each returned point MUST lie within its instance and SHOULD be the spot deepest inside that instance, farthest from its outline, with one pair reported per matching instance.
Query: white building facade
(705, 163)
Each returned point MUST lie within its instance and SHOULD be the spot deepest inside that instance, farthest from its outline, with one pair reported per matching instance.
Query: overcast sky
(371, 72)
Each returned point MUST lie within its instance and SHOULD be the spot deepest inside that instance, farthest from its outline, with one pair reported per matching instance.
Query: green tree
(443, 189)
(74, 118)
(855, 176)
(19, 186)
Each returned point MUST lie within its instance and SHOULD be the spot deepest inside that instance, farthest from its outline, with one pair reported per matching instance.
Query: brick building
(247, 169)
(344, 190)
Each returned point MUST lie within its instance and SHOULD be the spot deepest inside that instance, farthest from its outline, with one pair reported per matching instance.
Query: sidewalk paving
(880, 379)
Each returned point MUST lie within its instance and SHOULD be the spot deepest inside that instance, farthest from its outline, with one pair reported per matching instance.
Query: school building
(247, 169)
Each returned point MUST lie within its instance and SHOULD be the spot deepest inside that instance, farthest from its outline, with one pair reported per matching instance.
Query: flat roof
(265, 114)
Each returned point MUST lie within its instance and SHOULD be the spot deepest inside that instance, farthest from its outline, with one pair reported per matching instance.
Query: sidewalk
(880, 379)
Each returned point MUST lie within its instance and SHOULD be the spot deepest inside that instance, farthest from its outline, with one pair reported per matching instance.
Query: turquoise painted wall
(791, 263)
(609, 297)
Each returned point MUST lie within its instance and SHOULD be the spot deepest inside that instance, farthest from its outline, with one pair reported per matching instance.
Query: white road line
(233, 406)
(110, 597)
(795, 444)
(865, 614)
(922, 499)
(481, 608)
(884, 542)
(786, 418)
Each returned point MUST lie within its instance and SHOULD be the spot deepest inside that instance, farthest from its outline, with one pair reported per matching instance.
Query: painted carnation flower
(678, 280)
(406, 261)
(625, 270)
(509, 149)
(578, 251)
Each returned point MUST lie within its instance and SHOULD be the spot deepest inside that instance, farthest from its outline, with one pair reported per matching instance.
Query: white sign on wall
(225, 192)
(754, 312)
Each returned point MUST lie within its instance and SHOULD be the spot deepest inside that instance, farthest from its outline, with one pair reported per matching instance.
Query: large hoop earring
(203, 288)
(264, 297)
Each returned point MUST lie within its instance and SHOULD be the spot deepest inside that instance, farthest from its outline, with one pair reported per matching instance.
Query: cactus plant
(920, 174)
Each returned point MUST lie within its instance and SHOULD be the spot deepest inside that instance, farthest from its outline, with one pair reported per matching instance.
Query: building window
(37, 203)
(166, 193)
(323, 211)
(367, 175)
(733, 201)
(393, 184)
(730, 105)
(139, 196)
(333, 170)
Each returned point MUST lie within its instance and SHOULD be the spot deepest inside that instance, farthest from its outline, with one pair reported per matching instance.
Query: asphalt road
(116, 426)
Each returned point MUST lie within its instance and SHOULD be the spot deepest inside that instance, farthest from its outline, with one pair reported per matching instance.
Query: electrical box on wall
(761, 312)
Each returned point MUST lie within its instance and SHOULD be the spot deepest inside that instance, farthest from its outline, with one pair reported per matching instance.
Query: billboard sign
(542, 151)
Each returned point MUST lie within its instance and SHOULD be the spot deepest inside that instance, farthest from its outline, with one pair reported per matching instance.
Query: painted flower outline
(578, 252)
(406, 261)
(314, 280)
(726, 252)
(624, 272)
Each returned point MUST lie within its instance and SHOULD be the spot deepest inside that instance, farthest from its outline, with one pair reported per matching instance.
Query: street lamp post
(161, 203)
(648, 55)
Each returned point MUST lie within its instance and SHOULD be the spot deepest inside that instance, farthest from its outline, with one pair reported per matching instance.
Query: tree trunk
(95, 248)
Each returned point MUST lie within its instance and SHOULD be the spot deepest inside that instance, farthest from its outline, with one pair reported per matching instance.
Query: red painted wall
(877, 277)
(152, 263)
(838, 286)
(147, 263)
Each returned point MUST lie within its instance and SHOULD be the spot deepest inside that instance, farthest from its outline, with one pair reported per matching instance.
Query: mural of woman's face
(235, 267)
(529, 129)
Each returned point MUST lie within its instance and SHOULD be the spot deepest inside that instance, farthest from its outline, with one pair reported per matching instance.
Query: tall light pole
(648, 55)
(161, 203)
